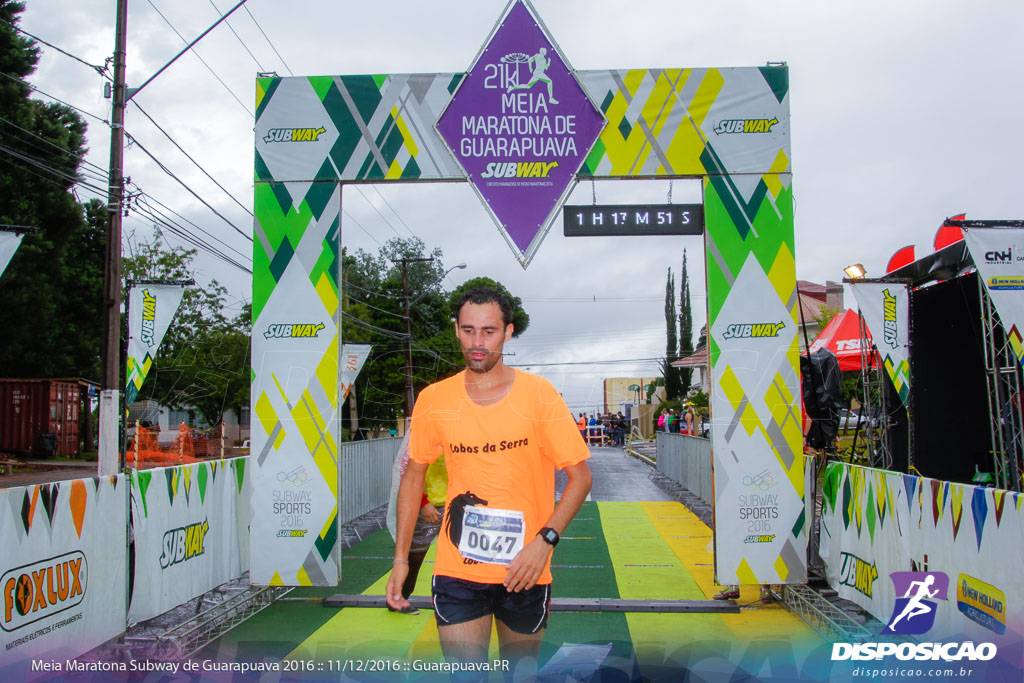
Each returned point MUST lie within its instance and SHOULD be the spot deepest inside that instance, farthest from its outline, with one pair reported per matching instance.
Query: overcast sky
(903, 113)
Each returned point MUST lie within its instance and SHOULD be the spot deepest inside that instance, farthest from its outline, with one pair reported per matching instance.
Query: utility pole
(109, 400)
(408, 332)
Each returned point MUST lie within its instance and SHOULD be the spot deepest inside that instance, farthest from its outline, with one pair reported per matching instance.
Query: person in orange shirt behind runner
(503, 433)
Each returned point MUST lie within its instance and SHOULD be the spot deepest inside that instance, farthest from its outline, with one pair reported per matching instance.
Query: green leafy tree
(373, 311)
(52, 289)
(673, 383)
(520, 318)
(685, 329)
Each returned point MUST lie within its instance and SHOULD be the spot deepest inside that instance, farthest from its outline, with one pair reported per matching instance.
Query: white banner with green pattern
(875, 523)
(728, 125)
(886, 310)
(191, 530)
(150, 312)
(9, 243)
(295, 392)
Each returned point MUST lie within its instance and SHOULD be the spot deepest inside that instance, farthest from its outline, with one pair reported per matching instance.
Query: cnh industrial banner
(730, 126)
(931, 559)
(998, 254)
(150, 312)
(62, 570)
(190, 526)
(885, 307)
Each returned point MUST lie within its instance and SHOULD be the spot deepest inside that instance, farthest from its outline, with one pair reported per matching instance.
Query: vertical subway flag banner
(295, 339)
(62, 570)
(885, 307)
(150, 312)
(998, 254)
(9, 243)
(521, 125)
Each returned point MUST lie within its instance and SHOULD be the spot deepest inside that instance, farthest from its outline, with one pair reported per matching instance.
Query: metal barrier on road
(687, 460)
(365, 475)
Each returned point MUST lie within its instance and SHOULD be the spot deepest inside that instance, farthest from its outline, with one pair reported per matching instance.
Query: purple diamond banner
(520, 124)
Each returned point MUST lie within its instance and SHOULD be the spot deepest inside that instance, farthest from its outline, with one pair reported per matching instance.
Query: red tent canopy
(842, 337)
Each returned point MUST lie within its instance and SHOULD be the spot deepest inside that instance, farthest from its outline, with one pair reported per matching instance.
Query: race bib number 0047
(490, 535)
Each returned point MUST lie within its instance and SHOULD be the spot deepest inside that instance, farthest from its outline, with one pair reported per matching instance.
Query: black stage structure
(964, 419)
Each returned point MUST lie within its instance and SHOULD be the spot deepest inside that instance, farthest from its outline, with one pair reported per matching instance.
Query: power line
(360, 226)
(148, 198)
(386, 221)
(57, 99)
(246, 8)
(208, 67)
(98, 174)
(189, 157)
(190, 190)
(235, 33)
(388, 204)
(101, 70)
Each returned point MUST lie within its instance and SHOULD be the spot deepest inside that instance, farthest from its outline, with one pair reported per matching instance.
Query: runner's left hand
(526, 567)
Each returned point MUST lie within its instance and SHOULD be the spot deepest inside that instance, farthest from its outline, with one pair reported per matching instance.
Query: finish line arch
(727, 126)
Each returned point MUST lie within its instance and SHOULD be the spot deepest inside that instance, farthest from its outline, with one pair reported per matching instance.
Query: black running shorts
(457, 601)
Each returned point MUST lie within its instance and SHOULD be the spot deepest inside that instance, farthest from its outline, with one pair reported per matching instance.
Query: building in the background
(619, 391)
(817, 303)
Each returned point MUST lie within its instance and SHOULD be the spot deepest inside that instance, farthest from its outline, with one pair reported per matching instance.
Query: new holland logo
(519, 169)
(294, 134)
(753, 330)
(889, 321)
(184, 543)
(293, 331)
(41, 589)
(148, 318)
(741, 126)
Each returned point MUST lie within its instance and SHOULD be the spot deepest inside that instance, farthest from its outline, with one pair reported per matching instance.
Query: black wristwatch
(549, 535)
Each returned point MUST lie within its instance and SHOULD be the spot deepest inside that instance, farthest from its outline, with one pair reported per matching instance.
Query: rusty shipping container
(30, 408)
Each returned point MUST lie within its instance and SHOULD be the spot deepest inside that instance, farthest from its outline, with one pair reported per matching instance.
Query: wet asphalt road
(617, 477)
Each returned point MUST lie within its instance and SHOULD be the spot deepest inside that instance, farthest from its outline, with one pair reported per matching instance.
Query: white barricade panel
(63, 570)
(881, 532)
(186, 523)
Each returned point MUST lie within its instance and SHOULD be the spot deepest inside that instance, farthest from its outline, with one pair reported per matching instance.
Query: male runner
(503, 433)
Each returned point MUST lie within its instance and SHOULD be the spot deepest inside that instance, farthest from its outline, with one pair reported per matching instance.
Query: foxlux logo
(519, 169)
(41, 589)
(890, 325)
(293, 134)
(184, 543)
(289, 330)
(753, 330)
(148, 333)
(739, 126)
